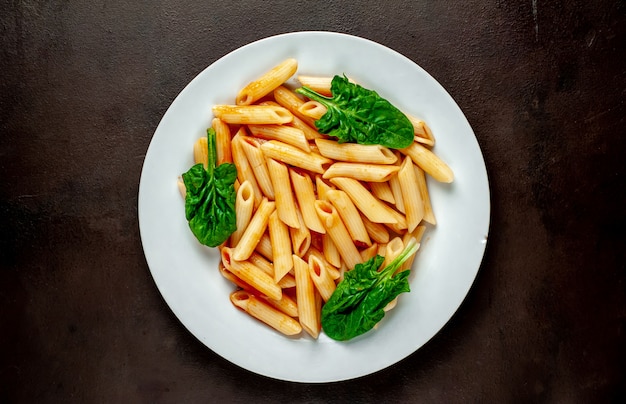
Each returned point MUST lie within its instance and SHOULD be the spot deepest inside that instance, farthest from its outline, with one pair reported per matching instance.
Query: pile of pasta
(309, 208)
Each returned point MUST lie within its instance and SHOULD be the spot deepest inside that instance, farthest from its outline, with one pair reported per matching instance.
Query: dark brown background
(84, 84)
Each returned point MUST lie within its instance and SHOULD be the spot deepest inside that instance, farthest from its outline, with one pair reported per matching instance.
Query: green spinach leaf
(210, 198)
(356, 114)
(358, 302)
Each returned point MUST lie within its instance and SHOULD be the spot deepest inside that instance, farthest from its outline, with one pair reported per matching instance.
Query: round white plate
(186, 272)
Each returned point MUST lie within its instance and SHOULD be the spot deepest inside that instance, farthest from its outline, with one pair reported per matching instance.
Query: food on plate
(317, 204)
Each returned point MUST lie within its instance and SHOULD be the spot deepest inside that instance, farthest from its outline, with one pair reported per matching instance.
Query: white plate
(186, 272)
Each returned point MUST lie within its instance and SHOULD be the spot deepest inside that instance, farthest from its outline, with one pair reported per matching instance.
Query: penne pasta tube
(256, 159)
(294, 156)
(332, 271)
(265, 313)
(264, 247)
(422, 131)
(257, 259)
(322, 280)
(338, 233)
(372, 208)
(286, 304)
(300, 237)
(252, 114)
(350, 216)
(281, 246)
(429, 214)
(376, 231)
(244, 205)
(319, 84)
(265, 84)
(222, 141)
(254, 231)
(362, 171)
(382, 191)
(322, 187)
(396, 190)
(429, 162)
(201, 151)
(283, 133)
(330, 251)
(313, 109)
(355, 153)
(285, 203)
(244, 169)
(392, 250)
(413, 204)
(308, 313)
(290, 100)
(369, 252)
(310, 133)
(251, 274)
(305, 195)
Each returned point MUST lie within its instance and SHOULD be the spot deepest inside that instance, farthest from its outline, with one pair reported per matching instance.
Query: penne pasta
(251, 274)
(396, 191)
(429, 162)
(285, 203)
(281, 246)
(201, 151)
(382, 191)
(429, 214)
(309, 131)
(222, 141)
(413, 204)
(422, 132)
(362, 171)
(300, 237)
(332, 270)
(265, 313)
(372, 208)
(244, 205)
(286, 134)
(376, 231)
(308, 312)
(266, 266)
(254, 231)
(321, 278)
(350, 216)
(256, 160)
(355, 153)
(305, 195)
(338, 233)
(264, 247)
(252, 114)
(244, 169)
(265, 84)
(292, 155)
(319, 84)
(313, 109)
(330, 251)
(290, 100)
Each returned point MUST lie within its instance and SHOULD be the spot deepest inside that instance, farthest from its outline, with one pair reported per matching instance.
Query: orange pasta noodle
(283, 133)
(285, 203)
(337, 231)
(350, 216)
(222, 141)
(265, 84)
(305, 195)
(281, 246)
(244, 205)
(290, 100)
(254, 231)
(265, 313)
(429, 162)
(308, 313)
(252, 114)
(244, 169)
(413, 204)
(322, 280)
(256, 159)
(251, 274)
